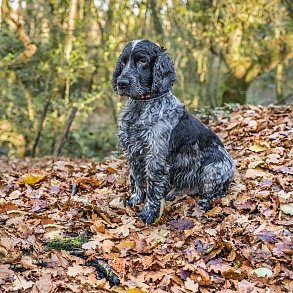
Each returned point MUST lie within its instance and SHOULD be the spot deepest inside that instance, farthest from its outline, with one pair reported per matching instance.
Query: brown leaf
(43, 285)
(157, 275)
(234, 274)
(6, 275)
(182, 224)
(191, 285)
(201, 277)
(20, 283)
(74, 270)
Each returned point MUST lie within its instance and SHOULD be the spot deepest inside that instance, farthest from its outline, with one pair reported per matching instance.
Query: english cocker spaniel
(168, 151)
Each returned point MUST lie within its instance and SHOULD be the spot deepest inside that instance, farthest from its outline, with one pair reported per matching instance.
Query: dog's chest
(139, 128)
(135, 127)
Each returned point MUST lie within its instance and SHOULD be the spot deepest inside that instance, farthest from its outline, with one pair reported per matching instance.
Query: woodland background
(57, 58)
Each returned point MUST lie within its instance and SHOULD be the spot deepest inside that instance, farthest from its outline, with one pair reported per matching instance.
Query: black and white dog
(169, 152)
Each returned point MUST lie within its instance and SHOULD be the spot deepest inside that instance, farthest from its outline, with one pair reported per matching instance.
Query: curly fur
(169, 152)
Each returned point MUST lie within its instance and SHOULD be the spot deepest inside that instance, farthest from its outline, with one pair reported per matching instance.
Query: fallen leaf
(21, 283)
(107, 245)
(190, 285)
(182, 224)
(135, 290)
(95, 241)
(201, 277)
(111, 170)
(234, 274)
(287, 208)
(157, 275)
(158, 235)
(126, 244)
(6, 274)
(268, 236)
(33, 178)
(128, 223)
(253, 165)
(44, 284)
(74, 270)
(14, 194)
(117, 203)
(257, 172)
(263, 272)
(257, 148)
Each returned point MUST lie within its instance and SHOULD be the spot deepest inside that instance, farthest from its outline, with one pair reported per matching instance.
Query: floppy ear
(116, 73)
(163, 74)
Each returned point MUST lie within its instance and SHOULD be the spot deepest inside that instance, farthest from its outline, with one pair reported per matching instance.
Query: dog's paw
(149, 214)
(135, 199)
(205, 205)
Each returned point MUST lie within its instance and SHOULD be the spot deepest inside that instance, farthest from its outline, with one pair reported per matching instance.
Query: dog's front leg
(157, 172)
(136, 167)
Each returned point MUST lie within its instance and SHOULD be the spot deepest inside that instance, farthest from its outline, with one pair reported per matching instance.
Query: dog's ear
(163, 74)
(116, 73)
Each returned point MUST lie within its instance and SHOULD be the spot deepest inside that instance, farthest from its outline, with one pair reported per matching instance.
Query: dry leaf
(135, 290)
(21, 283)
(257, 148)
(190, 285)
(263, 272)
(287, 208)
(33, 178)
(74, 270)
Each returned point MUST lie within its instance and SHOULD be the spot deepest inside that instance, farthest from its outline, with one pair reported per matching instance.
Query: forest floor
(244, 244)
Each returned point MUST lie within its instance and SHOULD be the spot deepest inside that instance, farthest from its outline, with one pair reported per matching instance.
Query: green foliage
(92, 144)
(222, 51)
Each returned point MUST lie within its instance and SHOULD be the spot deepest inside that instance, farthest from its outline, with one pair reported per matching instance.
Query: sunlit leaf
(287, 208)
(33, 178)
(254, 164)
(135, 290)
(126, 244)
(257, 148)
(263, 272)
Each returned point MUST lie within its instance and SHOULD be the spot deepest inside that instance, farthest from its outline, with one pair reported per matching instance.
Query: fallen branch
(73, 245)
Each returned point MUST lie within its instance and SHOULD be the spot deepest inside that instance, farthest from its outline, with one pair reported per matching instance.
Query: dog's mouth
(142, 95)
(123, 92)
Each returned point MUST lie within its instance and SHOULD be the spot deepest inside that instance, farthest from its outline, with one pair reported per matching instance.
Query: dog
(169, 152)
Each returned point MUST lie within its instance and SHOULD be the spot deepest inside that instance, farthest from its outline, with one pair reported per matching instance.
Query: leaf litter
(244, 244)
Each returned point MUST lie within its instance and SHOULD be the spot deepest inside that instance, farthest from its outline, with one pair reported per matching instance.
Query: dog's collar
(148, 97)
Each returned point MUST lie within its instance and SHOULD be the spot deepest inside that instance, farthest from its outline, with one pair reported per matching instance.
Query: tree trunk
(235, 90)
(63, 136)
(157, 21)
(67, 51)
(43, 117)
(68, 44)
(279, 83)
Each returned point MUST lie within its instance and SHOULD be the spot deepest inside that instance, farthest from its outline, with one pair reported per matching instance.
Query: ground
(244, 244)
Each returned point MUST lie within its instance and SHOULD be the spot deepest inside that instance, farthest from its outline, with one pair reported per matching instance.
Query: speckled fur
(169, 152)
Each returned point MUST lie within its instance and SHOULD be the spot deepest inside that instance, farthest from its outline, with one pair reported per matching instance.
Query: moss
(67, 243)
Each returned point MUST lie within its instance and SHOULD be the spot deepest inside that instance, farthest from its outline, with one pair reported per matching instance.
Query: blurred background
(57, 58)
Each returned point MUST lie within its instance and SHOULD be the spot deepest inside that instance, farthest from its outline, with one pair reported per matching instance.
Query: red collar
(148, 97)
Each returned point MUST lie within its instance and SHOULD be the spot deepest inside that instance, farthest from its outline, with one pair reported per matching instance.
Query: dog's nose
(123, 83)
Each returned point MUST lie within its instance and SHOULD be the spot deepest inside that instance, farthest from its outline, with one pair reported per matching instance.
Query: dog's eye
(143, 61)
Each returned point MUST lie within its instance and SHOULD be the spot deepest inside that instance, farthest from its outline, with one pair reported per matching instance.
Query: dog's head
(143, 70)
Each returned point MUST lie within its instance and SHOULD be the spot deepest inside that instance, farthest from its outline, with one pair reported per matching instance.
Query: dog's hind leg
(214, 182)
